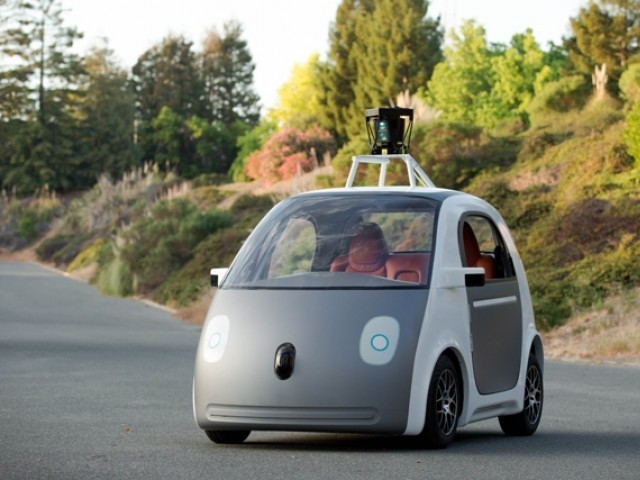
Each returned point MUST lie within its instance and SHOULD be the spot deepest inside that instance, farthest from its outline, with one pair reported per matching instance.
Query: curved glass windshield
(339, 241)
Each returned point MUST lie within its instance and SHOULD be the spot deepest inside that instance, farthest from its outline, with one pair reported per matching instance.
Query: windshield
(339, 241)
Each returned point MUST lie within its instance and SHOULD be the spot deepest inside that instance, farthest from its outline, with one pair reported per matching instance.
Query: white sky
(281, 33)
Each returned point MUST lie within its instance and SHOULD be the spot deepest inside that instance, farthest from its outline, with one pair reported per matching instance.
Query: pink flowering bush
(288, 152)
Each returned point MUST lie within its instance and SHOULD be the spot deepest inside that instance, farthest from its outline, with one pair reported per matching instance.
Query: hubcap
(533, 395)
(446, 402)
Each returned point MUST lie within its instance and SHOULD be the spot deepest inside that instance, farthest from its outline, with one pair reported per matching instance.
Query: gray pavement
(100, 387)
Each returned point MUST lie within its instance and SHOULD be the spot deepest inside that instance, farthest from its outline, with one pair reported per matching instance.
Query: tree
(299, 97)
(378, 49)
(605, 32)
(460, 86)
(481, 84)
(215, 146)
(227, 69)
(247, 143)
(40, 97)
(166, 75)
(339, 75)
(520, 72)
(107, 116)
(397, 50)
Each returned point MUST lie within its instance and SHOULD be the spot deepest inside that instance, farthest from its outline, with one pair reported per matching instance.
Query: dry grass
(609, 332)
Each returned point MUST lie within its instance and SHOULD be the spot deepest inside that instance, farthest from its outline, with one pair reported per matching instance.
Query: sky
(281, 33)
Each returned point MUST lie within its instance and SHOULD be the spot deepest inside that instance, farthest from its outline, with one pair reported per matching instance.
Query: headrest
(368, 249)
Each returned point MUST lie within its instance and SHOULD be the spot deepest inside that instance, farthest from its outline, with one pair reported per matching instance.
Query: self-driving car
(389, 310)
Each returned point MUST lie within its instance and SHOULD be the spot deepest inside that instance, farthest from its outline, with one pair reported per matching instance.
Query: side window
(295, 249)
(482, 246)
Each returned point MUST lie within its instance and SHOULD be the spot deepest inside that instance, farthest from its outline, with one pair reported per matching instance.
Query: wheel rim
(533, 395)
(447, 402)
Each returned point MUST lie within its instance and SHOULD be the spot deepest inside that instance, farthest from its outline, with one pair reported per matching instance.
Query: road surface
(100, 387)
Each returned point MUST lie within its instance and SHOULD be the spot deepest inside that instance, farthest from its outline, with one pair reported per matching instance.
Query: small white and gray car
(395, 310)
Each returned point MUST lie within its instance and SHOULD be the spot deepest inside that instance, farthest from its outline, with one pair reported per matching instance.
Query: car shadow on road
(487, 442)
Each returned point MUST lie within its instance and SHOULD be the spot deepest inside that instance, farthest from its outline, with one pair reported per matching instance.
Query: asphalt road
(99, 387)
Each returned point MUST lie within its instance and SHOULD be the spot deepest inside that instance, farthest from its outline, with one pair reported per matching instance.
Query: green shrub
(629, 84)
(161, 243)
(51, 246)
(188, 283)
(631, 134)
(114, 276)
(27, 225)
(87, 256)
(453, 154)
(568, 93)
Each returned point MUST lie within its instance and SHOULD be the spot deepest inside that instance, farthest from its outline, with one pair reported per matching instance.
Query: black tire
(444, 403)
(227, 436)
(526, 422)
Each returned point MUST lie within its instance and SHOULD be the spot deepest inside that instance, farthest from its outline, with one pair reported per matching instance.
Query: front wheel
(526, 422)
(227, 436)
(443, 405)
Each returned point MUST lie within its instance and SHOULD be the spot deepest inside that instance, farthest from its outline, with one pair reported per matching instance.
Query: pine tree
(339, 75)
(39, 97)
(165, 76)
(227, 69)
(107, 116)
(378, 49)
(397, 50)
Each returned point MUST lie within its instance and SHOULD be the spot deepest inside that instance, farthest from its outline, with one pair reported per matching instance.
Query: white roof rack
(414, 172)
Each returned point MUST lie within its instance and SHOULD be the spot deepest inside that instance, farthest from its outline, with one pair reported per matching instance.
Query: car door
(494, 309)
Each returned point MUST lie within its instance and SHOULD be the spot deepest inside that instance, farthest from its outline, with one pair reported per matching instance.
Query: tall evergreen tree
(227, 69)
(166, 75)
(40, 99)
(107, 116)
(397, 50)
(378, 49)
(339, 75)
(605, 32)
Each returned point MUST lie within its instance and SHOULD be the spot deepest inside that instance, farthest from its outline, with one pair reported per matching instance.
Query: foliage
(216, 250)
(24, 220)
(482, 84)
(227, 72)
(342, 161)
(394, 56)
(299, 98)
(187, 284)
(161, 242)
(250, 142)
(562, 95)
(38, 100)
(632, 132)
(289, 152)
(107, 117)
(372, 59)
(453, 153)
(629, 84)
(87, 256)
(570, 204)
(114, 275)
(605, 32)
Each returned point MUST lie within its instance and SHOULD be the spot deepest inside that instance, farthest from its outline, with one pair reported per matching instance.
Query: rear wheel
(526, 422)
(443, 405)
(227, 436)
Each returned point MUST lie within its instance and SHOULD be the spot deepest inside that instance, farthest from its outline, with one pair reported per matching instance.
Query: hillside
(566, 187)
